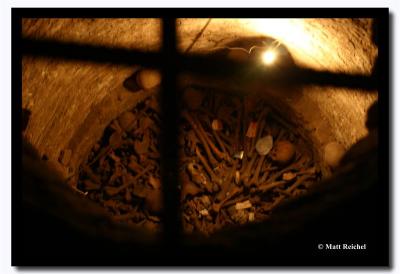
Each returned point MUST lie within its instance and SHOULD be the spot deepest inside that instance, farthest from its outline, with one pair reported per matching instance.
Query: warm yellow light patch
(269, 57)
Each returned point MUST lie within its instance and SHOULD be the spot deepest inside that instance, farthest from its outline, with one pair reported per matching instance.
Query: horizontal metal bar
(87, 52)
(210, 66)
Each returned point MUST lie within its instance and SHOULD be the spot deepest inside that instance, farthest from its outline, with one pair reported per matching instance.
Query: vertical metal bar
(169, 147)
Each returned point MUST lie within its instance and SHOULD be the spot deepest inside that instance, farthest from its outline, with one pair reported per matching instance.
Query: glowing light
(313, 42)
(293, 33)
(269, 57)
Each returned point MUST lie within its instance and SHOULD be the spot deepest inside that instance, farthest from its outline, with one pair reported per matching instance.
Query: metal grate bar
(197, 64)
(169, 140)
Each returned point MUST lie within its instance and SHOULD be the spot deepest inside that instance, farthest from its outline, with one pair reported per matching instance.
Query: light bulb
(269, 57)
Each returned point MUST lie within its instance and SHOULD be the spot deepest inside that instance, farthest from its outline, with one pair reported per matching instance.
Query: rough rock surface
(72, 102)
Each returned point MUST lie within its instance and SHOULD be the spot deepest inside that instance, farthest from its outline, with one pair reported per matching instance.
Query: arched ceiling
(60, 93)
(332, 44)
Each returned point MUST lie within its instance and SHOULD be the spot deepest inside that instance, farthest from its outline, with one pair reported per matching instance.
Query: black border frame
(382, 14)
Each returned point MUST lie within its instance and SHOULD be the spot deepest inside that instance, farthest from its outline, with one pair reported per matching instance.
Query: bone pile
(238, 160)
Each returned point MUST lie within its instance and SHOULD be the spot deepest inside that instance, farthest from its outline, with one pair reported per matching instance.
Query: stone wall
(72, 102)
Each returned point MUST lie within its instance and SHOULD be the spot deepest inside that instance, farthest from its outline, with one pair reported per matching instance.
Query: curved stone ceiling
(60, 93)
